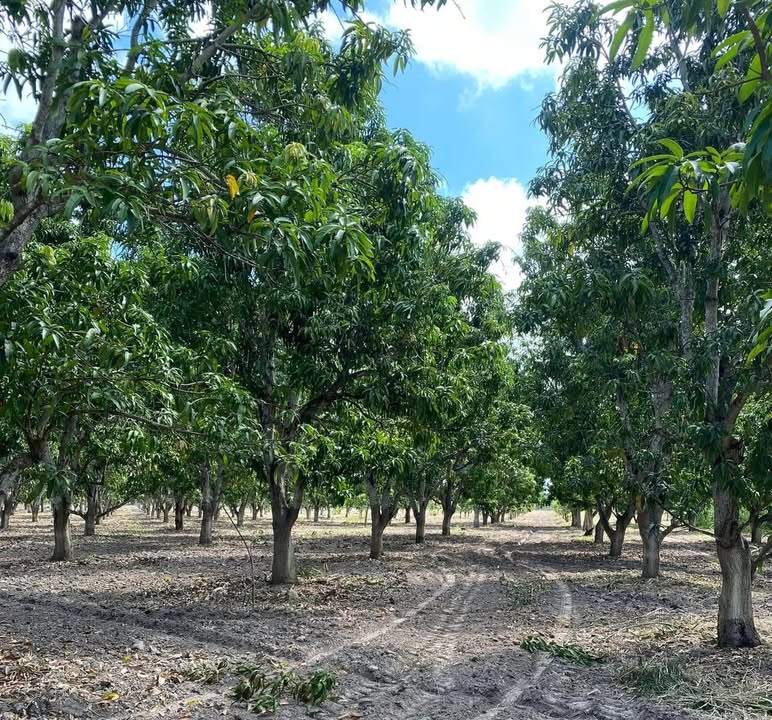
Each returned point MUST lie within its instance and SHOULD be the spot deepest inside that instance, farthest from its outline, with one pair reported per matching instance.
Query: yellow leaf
(251, 214)
(233, 185)
(110, 696)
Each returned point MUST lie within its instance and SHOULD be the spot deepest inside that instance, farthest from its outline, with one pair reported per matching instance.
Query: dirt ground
(430, 631)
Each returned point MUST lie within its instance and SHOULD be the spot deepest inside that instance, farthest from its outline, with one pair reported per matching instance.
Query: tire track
(418, 685)
(447, 583)
(543, 661)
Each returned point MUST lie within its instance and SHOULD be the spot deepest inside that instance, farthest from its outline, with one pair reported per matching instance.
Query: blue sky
(472, 93)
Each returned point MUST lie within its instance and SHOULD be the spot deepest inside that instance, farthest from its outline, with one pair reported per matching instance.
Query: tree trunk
(316, 512)
(616, 534)
(308, 513)
(649, 521)
(254, 511)
(210, 499)
(448, 507)
(287, 487)
(5, 514)
(158, 512)
(383, 509)
(91, 510)
(179, 513)
(407, 515)
(283, 571)
(188, 509)
(36, 503)
(376, 537)
(598, 532)
(485, 519)
(8, 501)
(576, 517)
(587, 524)
(60, 506)
(207, 524)
(446, 518)
(166, 512)
(476, 521)
(420, 524)
(736, 627)
(757, 528)
(617, 538)
(240, 513)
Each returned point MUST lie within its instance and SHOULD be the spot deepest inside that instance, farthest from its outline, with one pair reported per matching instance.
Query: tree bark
(283, 570)
(736, 627)
(598, 532)
(757, 528)
(649, 520)
(616, 534)
(376, 536)
(36, 503)
(448, 508)
(240, 513)
(316, 512)
(60, 506)
(587, 524)
(476, 521)
(407, 515)
(485, 518)
(210, 499)
(179, 513)
(6, 512)
(284, 511)
(420, 524)
(91, 510)
(576, 517)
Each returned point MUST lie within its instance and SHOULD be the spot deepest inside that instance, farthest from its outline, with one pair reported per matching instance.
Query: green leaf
(644, 41)
(615, 6)
(673, 146)
(751, 80)
(723, 6)
(690, 205)
(620, 34)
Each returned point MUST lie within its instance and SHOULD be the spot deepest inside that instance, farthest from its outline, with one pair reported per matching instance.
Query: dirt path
(429, 632)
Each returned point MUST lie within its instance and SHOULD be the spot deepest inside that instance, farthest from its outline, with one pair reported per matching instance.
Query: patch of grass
(207, 672)
(653, 678)
(524, 592)
(668, 680)
(564, 651)
(262, 690)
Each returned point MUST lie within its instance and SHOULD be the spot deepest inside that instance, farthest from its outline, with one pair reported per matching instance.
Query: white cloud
(493, 41)
(501, 205)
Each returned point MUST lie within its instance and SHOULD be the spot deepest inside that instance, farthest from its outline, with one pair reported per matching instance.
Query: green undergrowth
(564, 651)
(263, 689)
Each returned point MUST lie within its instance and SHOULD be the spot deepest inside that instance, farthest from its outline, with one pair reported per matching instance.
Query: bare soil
(430, 631)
